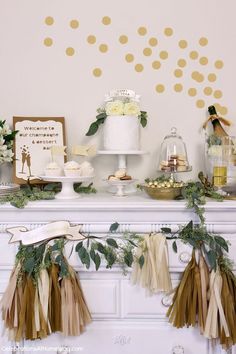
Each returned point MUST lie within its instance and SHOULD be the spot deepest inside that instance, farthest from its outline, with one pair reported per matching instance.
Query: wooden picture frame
(35, 137)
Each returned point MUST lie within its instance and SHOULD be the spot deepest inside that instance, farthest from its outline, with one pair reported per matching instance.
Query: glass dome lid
(173, 155)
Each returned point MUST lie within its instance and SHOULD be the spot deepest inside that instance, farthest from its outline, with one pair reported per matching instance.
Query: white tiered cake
(122, 131)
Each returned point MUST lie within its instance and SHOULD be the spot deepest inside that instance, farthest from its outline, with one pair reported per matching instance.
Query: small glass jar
(173, 155)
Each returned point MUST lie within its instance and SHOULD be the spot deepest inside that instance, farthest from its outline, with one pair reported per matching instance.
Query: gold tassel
(228, 299)
(186, 308)
(75, 313)
(54, 312)
(154, 275)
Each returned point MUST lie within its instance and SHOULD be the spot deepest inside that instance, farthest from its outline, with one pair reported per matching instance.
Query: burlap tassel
(216, 320)
(228, 300)
(186, 309)
(75, 313)
(154, 274)
(54, 301)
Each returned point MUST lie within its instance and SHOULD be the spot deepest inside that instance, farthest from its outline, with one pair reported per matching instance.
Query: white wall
(36, 80)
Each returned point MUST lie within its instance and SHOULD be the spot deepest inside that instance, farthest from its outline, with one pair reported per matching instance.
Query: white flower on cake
(132, 109)
(115, 108)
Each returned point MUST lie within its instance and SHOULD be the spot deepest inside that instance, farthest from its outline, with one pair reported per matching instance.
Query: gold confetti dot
(49, 20)
(193, 54)
(168, 31)
(123, 39)
(212, 77)
(183, 44)
(129, 57)
(142, 31)
(97, 72)
(48, 42)
(106, 20)
(103, 48)
(74, 24)
(153, 42)
(70, 51)
(224, 111)
(218, 94)
(163, 54)
(178, 87)
(192, 92)
(178, 73)
(147, 52)
(139, 68)
(197, 76)
(203, 41)
(91, 39)
(219, 64)
(160, 88)
(207, 90)
(182, 63)
(203, 61)
(156, 65)
(200, 103)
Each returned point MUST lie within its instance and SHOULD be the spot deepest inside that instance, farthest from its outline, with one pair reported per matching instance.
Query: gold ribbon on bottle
(214, 117)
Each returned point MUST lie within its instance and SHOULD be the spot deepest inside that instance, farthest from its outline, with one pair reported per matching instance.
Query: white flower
(132, 109)
(115, 108)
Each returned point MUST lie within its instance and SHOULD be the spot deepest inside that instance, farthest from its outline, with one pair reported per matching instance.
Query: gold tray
(163, 193)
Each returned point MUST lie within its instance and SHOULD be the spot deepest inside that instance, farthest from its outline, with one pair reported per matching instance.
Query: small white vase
(121, 133)
(5, 172)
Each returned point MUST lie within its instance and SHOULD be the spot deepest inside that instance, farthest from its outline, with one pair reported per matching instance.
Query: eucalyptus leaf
(111, 242)
(174, 246)
(141, 261)
(114, 227)
(92, 129)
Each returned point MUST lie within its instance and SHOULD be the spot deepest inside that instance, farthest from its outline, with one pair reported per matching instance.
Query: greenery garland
(30, 193)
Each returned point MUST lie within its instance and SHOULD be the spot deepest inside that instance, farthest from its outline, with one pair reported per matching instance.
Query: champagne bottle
(218, 129)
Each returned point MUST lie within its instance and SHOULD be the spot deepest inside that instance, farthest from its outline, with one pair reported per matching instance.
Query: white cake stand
(122, 155)
(120, 186)
(67, 190)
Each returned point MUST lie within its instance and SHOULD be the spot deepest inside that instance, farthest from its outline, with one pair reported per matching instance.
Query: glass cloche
(173, 155)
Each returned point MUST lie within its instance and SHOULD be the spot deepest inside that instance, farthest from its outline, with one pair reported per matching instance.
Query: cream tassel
(215, 308)
(154, 275)
(43, 289)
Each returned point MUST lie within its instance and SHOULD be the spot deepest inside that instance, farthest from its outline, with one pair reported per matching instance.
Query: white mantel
(123, 314)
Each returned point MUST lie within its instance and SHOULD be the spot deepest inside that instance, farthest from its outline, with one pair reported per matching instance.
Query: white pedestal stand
(122, 162)
(67, 190)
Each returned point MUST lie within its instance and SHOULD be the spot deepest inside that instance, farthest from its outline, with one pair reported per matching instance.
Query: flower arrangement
(118, 106)
(6, 142)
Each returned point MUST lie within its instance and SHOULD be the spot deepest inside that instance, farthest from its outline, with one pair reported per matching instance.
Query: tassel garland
(36, 304)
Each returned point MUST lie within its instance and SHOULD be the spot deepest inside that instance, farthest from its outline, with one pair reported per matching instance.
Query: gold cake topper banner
(45, 232)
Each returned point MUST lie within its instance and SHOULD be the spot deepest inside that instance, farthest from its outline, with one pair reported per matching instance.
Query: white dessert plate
(120, 182)
(121, 152)
(66, 178)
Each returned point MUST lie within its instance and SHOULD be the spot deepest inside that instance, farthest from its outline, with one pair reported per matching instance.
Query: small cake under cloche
(53, 169)
(72, 169)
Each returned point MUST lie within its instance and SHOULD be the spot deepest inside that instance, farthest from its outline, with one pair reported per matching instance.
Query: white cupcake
(87, 169)
(72, 169)
(53, 169)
